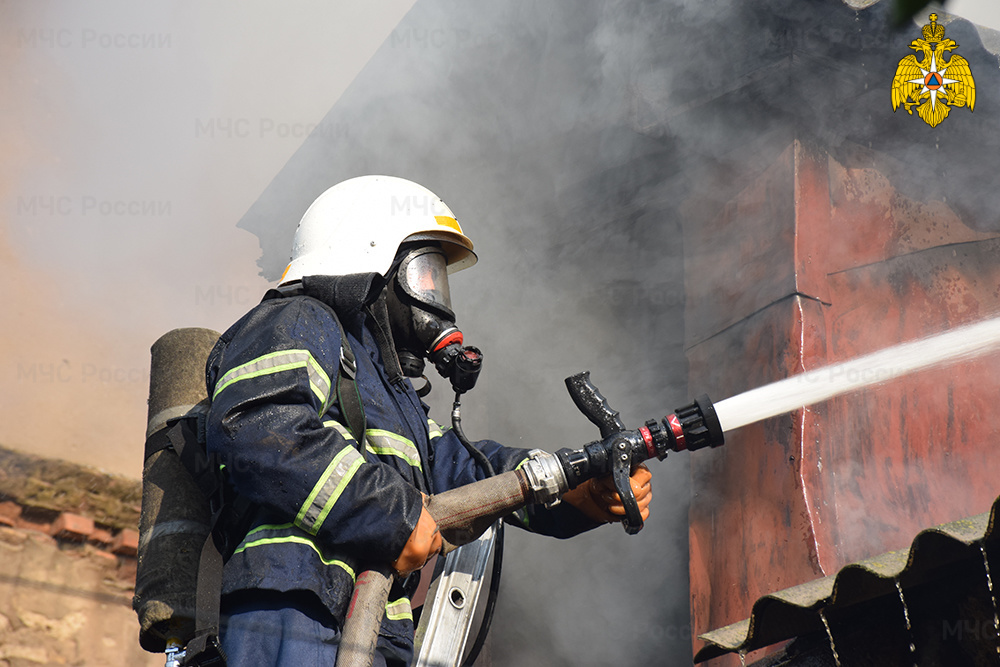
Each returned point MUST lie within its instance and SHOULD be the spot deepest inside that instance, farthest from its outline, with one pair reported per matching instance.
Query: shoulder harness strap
(348, 396)
(346, 385)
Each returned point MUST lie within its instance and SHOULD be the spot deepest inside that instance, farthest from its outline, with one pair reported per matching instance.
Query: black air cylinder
(175, 517)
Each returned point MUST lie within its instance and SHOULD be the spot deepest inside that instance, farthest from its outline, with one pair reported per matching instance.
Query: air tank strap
(185, 437)
(155, 442)
(346, 386)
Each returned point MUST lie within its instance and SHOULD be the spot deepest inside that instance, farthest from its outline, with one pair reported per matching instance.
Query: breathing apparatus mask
(422, 321)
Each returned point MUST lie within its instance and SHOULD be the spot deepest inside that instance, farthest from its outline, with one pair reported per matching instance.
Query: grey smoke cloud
(133, 140)
(521, 118)
(571, 139)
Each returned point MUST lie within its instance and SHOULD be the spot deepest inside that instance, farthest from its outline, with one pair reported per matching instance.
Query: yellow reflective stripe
(399, 610)
(382, 442)
(275, 362)
(328, 489)
(269, 526)
(295, 539)
(340, 428)
(292, 539)
(434, 431)
(391, 444)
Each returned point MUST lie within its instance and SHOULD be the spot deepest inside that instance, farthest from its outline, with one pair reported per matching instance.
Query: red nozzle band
(453, 337)
(675, 427)
(647, 437)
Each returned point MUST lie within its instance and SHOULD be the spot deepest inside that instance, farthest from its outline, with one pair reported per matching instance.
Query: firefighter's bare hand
(424, 542)
(598, 499)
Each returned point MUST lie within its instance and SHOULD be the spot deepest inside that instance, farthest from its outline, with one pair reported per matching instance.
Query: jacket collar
(358, 300)
(348, 295)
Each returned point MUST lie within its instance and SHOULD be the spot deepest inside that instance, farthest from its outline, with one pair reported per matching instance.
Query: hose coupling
(545, 477)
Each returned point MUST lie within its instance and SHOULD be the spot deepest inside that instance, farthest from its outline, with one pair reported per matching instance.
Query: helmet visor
(423, 274)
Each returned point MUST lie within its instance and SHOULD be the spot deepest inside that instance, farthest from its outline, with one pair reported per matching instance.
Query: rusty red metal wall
(819, 260)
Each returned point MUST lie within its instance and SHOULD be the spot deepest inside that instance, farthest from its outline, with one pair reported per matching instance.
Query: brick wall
(68, 541)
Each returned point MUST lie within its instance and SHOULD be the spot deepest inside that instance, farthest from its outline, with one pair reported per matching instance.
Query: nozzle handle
(593, 405)
(621, 470)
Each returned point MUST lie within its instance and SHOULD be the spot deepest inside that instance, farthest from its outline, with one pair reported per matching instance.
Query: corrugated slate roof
(795, 611)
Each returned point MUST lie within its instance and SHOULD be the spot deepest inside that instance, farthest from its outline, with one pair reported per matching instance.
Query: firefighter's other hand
(424, 542)
(598, 499)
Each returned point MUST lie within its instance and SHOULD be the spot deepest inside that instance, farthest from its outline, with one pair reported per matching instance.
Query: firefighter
(370, 262)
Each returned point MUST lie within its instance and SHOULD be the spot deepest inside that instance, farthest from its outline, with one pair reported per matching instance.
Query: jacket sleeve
(454, 466)
(271, 421)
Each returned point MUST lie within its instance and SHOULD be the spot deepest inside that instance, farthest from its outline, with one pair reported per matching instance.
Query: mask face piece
(419, 305)
(423, 276)
(423, 323)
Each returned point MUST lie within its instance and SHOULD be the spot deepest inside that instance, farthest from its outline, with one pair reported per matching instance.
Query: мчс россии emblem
(933, 84)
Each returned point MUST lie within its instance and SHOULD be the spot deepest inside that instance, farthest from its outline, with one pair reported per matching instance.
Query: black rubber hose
(491, 598)
(475, 452)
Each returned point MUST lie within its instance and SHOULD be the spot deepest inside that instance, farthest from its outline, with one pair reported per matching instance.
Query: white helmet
(358, 225)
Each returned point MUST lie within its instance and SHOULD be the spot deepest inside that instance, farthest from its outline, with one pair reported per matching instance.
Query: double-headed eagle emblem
(933, 84)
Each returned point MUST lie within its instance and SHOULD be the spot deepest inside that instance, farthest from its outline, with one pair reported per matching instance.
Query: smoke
(119, 222)
(574, 140)
(133, 139)
(44, 370)
(525, 118)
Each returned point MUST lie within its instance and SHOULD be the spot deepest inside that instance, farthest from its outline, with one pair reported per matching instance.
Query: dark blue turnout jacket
(329, 506)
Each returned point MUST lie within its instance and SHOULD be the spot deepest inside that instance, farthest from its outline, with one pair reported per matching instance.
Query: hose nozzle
(692, 427)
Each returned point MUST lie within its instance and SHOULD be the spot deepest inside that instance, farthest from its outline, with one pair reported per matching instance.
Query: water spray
(816, 386)
(704, 424)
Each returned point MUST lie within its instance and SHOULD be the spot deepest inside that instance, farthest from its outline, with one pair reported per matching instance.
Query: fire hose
(465, 513)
